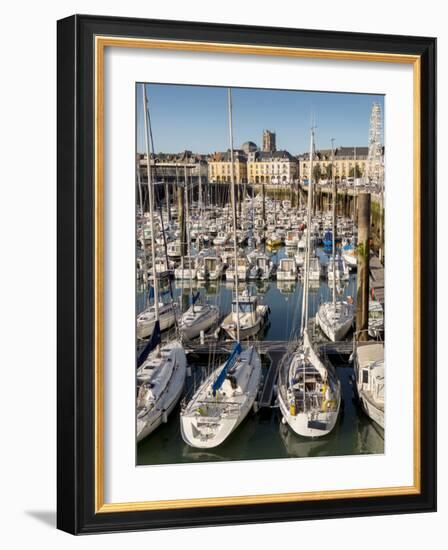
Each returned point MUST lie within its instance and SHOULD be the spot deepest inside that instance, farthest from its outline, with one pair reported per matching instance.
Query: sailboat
(160, 379)
(309, 391)
(199, 317)
(335, 318)
(165, 313)
(227, 395)
(161, 369)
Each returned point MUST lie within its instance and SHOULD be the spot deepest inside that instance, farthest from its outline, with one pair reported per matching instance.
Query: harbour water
(262, 435)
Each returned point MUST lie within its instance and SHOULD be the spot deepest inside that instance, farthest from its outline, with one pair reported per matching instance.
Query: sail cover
(230, 361)
(152, 343)
(312, 356)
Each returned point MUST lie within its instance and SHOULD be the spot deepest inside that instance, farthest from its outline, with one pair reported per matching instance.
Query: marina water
(262, 435)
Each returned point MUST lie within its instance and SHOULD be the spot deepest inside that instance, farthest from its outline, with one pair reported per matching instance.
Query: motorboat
(340, 271)
(287, 270)
(369, 379)
(252, 316)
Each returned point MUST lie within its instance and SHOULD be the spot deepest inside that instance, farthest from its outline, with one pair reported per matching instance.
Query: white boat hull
(373, 412)
(299, 423)
(206, 432)
(334, 331)
(145, 327)
(286, 276)
(350, 260)
(192, 329)
(247, 328)
(184, 274)
(170, 398)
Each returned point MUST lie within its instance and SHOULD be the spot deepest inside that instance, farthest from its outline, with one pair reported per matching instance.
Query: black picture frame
(76, 263)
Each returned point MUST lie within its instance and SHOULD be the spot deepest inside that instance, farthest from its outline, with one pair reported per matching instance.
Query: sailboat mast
(187, 224)
(145, 259)
(232, 194)
(139, 185)
(200, 191)
(308, 239)
(151, 204)
(334, 223)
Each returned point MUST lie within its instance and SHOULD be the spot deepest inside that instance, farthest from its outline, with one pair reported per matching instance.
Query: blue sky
(195, 117)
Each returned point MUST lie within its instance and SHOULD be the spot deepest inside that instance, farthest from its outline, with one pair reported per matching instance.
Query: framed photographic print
(247, 274)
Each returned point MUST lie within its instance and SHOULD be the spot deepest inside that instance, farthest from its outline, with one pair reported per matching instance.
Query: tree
(358, 172)
(329, 169)
(317, 172)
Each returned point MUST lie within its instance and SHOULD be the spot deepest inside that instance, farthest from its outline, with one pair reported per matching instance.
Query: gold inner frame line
(101, 42)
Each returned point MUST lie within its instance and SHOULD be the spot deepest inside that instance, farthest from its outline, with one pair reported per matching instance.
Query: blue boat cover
(230, 361)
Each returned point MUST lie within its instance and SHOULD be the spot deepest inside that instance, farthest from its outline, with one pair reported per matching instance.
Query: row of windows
(256, 179)
(337, 164)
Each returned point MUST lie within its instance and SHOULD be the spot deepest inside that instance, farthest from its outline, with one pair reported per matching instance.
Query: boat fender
(164, 417)
(188, 371)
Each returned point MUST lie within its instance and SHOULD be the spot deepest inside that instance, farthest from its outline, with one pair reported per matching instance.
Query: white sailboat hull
(335, 330)
(191, 326)
(226, 428)
(145, 327)
(169, 399)
(207, 431)
(300, 423)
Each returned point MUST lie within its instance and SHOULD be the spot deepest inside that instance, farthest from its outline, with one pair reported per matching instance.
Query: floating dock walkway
(270, 381)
